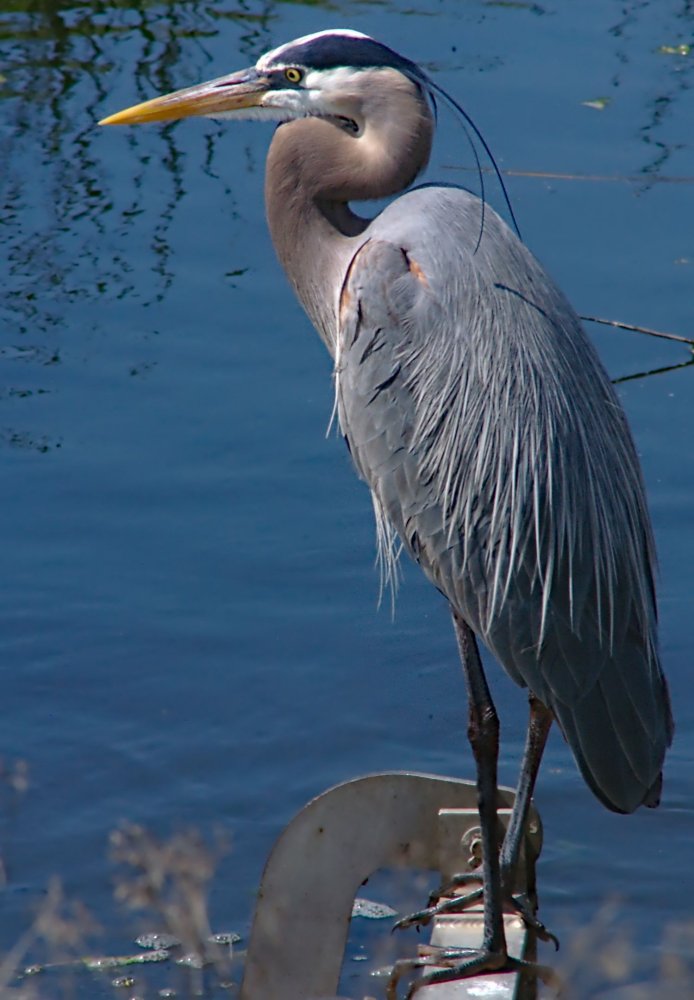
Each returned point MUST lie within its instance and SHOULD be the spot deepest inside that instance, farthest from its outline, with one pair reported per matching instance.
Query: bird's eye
(293, 74)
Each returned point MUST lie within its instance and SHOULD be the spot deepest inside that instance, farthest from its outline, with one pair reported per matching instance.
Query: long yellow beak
(219, 97)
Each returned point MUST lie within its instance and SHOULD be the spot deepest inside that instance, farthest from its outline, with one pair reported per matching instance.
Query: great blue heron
(478, 413)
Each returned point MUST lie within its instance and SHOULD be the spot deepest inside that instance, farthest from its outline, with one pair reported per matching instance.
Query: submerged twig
(653, 371)
(640, 329)
(558, 175)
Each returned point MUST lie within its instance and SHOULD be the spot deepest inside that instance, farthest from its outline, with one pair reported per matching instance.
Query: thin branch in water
(553, 175)
(640, 329)
(550, 175)
(653, 371)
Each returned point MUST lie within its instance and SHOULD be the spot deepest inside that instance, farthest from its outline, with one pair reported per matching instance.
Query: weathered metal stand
(337, 841)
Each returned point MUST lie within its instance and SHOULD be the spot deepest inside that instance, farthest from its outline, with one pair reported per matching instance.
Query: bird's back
(493, 442)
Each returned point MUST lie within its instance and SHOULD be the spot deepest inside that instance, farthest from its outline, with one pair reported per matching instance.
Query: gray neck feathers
(315, 168)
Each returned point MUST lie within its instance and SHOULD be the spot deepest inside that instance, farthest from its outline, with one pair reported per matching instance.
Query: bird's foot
(441, 902)
(444, 901)
(453, 964)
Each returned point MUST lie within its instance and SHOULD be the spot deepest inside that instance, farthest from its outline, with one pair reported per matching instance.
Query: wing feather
(478, 412)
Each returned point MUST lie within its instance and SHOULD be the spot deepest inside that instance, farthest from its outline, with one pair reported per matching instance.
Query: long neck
(315, 168)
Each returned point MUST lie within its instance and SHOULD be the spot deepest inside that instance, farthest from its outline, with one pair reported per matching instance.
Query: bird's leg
(536, 737)
(483, 733)
(539, 724)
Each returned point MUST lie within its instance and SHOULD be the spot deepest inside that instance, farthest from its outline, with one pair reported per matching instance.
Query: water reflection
(62, 237)
(675, 77)
(61, 64)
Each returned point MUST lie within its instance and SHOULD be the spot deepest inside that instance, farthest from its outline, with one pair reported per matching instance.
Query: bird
(477, 411)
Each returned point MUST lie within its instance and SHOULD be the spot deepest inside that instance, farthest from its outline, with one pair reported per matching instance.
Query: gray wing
(493, 443)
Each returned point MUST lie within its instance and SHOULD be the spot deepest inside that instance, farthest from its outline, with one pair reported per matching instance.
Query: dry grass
(167, 882)
(601, 961)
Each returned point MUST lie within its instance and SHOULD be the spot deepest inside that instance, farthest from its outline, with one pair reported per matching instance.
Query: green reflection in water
(64, 241)
(58, 233)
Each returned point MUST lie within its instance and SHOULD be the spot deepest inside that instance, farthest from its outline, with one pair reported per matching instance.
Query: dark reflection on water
(189, 626)
(659, 130)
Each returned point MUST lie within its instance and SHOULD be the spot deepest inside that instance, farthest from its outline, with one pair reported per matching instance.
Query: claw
(448, 888)
(455, 964)
(428, 955)
(419, 919)
(441, 902)
(521, 907)
(455, 905)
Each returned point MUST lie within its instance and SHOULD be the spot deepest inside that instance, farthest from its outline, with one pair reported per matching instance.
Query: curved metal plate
(323, 856)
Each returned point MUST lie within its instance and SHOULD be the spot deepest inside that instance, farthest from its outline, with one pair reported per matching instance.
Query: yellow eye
(293, 74)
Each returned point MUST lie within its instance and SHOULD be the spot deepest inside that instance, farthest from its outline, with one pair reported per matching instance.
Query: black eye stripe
(333, 51)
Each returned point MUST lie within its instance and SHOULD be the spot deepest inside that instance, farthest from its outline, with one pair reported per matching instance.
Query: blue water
(190, 632)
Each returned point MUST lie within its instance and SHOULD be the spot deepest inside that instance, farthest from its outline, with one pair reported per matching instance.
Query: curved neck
(315, 168)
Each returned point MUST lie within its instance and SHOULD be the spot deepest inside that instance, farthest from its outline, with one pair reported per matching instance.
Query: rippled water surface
(190, 633)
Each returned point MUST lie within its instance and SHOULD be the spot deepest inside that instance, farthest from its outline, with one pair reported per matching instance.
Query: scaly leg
(483, 733)
(538, 729)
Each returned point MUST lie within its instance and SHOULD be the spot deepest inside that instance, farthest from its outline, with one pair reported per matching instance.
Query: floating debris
(120, 982)
(167, 993)
(157, 941)
(383, 972)
(372, 911)
(102, 962)
(192, 960)
(599, 104)
(225, 937)
(676, 50)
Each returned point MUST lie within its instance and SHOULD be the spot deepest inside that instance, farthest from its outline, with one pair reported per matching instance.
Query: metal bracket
(460, 847)
(327, 851)
(460, 852)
